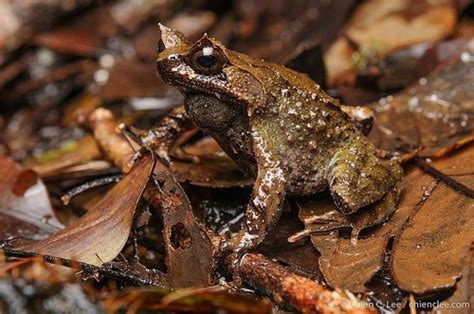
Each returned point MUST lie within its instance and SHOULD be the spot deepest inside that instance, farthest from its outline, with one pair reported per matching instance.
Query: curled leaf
(100, 235)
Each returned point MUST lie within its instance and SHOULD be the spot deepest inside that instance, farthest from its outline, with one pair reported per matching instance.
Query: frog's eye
(208, 60)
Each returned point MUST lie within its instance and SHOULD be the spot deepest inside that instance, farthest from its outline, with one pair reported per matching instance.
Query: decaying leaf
(189, 251)
(436, 113)
(100, 235)
(300, 256)
(25, 209)
(433, 247)
(462, 294)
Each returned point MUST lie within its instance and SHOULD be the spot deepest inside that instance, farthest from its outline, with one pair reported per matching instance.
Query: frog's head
(207, 67)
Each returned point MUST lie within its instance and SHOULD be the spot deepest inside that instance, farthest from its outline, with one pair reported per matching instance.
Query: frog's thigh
(357, 177)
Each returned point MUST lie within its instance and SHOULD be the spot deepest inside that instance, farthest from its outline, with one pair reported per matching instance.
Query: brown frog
(273, 122)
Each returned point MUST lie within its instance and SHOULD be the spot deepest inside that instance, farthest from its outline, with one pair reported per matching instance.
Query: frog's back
(307, 125)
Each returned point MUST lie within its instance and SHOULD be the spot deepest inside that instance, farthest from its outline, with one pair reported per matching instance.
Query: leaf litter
(428, 233)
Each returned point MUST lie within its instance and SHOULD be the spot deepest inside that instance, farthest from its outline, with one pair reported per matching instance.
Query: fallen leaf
(189, 251)
(279, 33)
(430, 252)
(70, 153)
(462, 293)
(386, 26)
(359, 267)
(215, 169)
(76, 38)
(300, 256)
(25, 209)
(346, 265)
(436, 113)
(100, 235)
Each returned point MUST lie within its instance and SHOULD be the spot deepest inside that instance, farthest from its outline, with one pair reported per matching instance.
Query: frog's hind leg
(357, 177)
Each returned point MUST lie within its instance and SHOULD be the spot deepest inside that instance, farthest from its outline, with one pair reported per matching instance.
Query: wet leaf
(462, 293)
(300, 256)
(100, 235)
(215, 169)
(433, 247)
(437, 113)
(320, 215)
(25, 209)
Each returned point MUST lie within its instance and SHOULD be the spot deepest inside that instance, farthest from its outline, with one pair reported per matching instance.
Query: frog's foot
(357, 177)
(325, 222)
(233, 249)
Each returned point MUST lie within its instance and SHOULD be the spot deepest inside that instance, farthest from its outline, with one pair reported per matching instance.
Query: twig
(288, 288)
(107, 270)
(66, 198)
(449, 181)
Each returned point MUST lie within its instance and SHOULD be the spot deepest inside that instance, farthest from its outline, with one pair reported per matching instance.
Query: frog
(276, 124)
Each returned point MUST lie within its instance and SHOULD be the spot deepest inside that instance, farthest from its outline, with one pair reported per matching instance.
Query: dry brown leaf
(346, 265)
(433, 247)
(461, 294)
(100, 235)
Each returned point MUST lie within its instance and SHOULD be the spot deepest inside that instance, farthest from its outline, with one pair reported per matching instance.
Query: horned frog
(274, 122)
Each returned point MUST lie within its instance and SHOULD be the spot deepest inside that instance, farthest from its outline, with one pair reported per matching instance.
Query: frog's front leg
(266, 202)
(162, 137)
(358, 177)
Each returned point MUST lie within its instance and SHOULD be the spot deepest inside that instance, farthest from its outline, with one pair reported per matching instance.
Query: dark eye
(208, 60)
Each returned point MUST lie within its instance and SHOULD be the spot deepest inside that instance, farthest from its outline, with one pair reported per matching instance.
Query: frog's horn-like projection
(170, 38)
